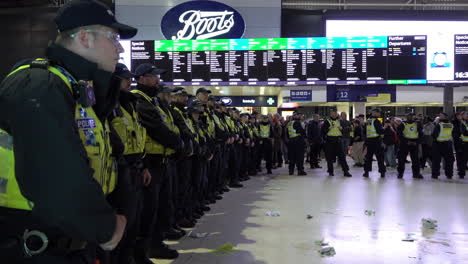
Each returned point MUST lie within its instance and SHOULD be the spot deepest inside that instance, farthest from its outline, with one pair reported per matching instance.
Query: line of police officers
(446, 136)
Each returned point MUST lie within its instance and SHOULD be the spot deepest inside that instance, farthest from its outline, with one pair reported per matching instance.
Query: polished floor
(337, 206)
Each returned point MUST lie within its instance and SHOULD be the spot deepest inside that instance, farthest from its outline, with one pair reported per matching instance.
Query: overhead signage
(250, 101)
(301, 95)
(202, 20)
(361, 93)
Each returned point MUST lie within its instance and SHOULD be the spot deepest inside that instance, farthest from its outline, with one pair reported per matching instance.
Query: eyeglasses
(112, 36)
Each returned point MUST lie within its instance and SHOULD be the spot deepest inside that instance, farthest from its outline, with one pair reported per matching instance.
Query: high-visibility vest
(130, 131)
(191, 126)
(463, 137)
(211, 129)
(291, 130)
(93, 134)
(335, 128)
(370, 129)
(445, 134)
(410, 131)
(255, 130)
(151, 145)
(218, 122)
(265, 131)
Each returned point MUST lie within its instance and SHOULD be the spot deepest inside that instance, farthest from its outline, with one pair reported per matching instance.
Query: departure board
(290, 61)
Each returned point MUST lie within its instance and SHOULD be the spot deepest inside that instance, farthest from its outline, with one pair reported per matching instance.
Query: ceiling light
(221, 92)
(217, 88)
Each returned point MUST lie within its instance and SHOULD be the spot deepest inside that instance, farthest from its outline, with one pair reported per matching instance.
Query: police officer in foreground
(373, 133)
(133, 175)
(296, 145)
(266, 142)
(65, 100)
(443, 147)
(332, 134)
(409, 134)
(162, 142)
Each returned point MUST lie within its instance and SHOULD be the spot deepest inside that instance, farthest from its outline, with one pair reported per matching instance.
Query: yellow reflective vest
(130, 131)
(335, 128)
(151, 145)
(265, 131)
(410, 131)
(94, 135)
(463, 137)
(371, 132)
(445, 134)
(291, 130)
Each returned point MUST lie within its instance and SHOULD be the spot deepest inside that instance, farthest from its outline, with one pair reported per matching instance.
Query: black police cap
(122, 71)
(80, 13)
(202, 90)
(148, 68)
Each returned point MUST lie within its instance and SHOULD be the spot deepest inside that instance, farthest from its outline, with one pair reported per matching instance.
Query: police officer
(47, 97)
(296, 145)
(255, 146)
(162, 142)
(332, 134)
(464, 139)
(373, 133)
(443, 147)
(132, 175)
(409, 133)
(184, 165)
(266, 142)
(246, 147)
(458, 143)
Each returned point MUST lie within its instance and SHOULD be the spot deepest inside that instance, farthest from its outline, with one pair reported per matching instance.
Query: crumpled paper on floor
(429, 223)
(309, 217)
(321, 243)
(327, 251)
(409, 238)
(224, 249)
(370, 212)
(273, 213)
(197, 235)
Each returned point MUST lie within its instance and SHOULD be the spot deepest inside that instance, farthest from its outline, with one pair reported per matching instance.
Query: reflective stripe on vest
(94, 137)
(152, 146)
(130, 131)
(291, 131)
(370, 129)
(265, 131)
(463, 137)
(445, 134)
(335, 128)
(218, 122)
(191, 126)
(410, 131)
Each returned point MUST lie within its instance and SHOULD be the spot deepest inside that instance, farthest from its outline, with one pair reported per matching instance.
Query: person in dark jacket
(464, 139)
(409, 135)
(314, 135)
(347, 129)
(163, 142)
(389, 139)
(443, 147)
(296, 144)
(458, 143)
(358, 150)
(374, 132)
(35, 100)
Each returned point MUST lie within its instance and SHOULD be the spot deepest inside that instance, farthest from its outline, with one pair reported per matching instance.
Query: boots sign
(202, 20)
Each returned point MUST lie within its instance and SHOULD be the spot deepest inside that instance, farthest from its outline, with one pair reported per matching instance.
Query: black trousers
(459, 158)
(128, 200)
(314, 154)
(296, 149)
(166, 208)
(334, 150)
(426, 154)
(196, 185)
(254, 153)
(462, 168)
(266, 152)
(403, 151)
(184, 181)
(151, 200)
(442, 150)
(374, 148)
(215, 171)
(234, 164)
(244, 160)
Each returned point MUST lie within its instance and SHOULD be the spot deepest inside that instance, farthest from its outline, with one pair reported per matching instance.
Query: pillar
(448, 100)
(359, 108)
(343, 108)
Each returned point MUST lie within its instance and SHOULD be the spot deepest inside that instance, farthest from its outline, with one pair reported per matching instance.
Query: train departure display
(292, 61)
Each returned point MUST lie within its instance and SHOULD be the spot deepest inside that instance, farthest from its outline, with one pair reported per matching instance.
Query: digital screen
(445, 47)
(288, 61)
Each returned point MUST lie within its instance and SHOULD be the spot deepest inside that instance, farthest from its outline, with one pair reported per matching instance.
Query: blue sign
(202, 20)
(301, 95)
(356, 93)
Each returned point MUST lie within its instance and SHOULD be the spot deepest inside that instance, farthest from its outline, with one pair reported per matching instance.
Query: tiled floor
(337, 205)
